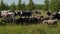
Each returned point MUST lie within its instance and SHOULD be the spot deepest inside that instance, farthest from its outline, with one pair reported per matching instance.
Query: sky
(26, 1)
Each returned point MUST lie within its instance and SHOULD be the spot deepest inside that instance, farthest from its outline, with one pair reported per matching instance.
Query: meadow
(31, 29)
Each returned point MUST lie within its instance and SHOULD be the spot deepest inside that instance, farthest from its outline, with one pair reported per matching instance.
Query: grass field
(31, 29)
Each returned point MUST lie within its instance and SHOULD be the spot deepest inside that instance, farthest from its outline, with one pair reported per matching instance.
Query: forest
(49, 5)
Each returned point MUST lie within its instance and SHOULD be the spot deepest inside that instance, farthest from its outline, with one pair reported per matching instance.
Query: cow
(56, 15)
(7, 13)
(19, 13)
(26, 13)
(48, 13)
(38, 12)
(27, 20)
(7, 16)
(33, 20)
(22, 20)
(41, 18)
(0, 15)
(7, 20)
(50, 22)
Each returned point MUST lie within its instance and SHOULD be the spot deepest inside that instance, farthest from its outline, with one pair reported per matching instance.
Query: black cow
(56, 15)
(0, 15)
(48, 13)
(41, 18)
(26, 13)
(22, 20)
(19, 13)
(38, 12)
(27, 20)
(8, 20)
(33, 20)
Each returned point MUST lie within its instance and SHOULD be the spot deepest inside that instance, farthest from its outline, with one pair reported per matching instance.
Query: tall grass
(30, 29)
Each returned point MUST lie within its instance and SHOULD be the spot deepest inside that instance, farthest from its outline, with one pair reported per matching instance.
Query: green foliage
(30, 5)
(23, 6)
(58, 5)
(19, 7)
(7, 7)
(46, 7)
(3, 6)
(38, 7)
(13, 6)
(54, 5)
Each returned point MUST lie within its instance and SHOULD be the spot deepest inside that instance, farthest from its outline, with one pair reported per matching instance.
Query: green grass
(30, 29)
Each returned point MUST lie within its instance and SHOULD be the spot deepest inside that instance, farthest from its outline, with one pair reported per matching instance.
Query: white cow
(50, 21)
(6, 13)
(3, 13)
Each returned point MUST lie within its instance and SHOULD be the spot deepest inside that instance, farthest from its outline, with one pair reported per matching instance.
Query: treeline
(49, 5)
(19, 6)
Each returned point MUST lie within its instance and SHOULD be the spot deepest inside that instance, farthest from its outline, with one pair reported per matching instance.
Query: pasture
(31, 29)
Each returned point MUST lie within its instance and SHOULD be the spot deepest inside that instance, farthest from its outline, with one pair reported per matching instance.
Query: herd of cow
(26, 17)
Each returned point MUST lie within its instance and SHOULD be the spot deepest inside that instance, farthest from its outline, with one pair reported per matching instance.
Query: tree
(38, 7)
(2, 5)
(19, 7)
(58, 5)
(13, 6)
(46, 7)
(31, 5)
(7, 7)
(23, 6)
(55, 5)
